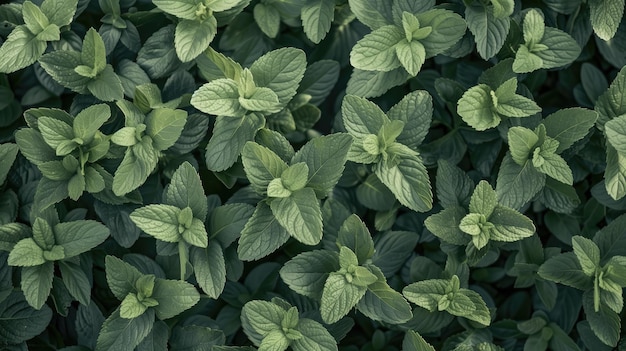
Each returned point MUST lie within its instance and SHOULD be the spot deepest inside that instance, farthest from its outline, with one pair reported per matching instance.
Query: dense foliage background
(312, 174)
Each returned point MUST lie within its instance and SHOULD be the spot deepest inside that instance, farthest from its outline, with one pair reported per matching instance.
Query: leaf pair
(276, 325)
(27, 42)
(346, 279)
(51, 242)
(389, 142)
(292, 192)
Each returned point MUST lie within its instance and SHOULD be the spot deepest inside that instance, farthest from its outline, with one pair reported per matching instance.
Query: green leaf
(93, 52)
(354, 235)
(174, 297)
(185, 9)
(510, 225)
(565, 269)
(275, 340)
(615, 131)
(483, 199)
(19, 322)
(21, 49)
(76, 281)
(325, 157)
(228, 139)
(210, 269)
(121, 333)
(415, 110)
(59, 12)
(476, 108)
(490, 30)
(411, 56)
(426, 293)
(261, 165)
(339, 297)
(35, 20)
(8, 153)
(517, 184)
(554, 166)
(615, 173)
(588, 254)
(164, 126)
(131, 307)
(447, 29)
(375, 83)
(445, 225)
(214, 65)
(319, 79)
(610, 239)
(526, 61)
(522, 142)
(262, 316)
(317, 17)
(604, 323)
(382, 303)
(611, 103)
(121, 276)
(139, 161)
(301, 215)
(54, 132)
(567, 126)
(267, 18)
(219, 97)
(414, 342)
(408, 180)
(562, 49)
(280, 70)
(261, 235)
(516, 106)
(80, 236)
(107, 86)
(185, 190)
(89, 120)
(26, 253)
(61, 66)
(314, 337)
(158, 220)
(362, 117)
(36, 283)
(192, 37)
(377, 50)
(606, 16)
(480, 312)
(307, 272)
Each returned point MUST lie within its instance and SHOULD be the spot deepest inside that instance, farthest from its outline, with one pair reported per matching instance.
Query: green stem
(182, 255)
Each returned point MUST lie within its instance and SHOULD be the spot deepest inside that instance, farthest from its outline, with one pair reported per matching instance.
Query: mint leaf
(362, 117)
(280, 70)
(614, 131)
(261, 235)
(605, 323)
(415, 110)
(615, 173)
(447, 28)
(314, 337)
(445, 225)
(21, 49)
(210, 268)
(325, 157)
(36, 283)
(268, 19)
(307, 272)
(376, 51)
(414, 342)
(490, 28)
(219, 97)
(139, 161)
(174, 297)
(20, 322)
(339, 297)
(262, 316)
(317, 17)
(510, 225)
(121, 276)
(77, 237)
(517, 184)
(159, 220)
(261, 166)
(567, 126)
(382, 303)
(229, 138)
(118, 332)
(186, 190)
(192, 37)
(476, 108)
(300, 215)
(606, 16)
(164, 126)
(565, 269)
(587, 253)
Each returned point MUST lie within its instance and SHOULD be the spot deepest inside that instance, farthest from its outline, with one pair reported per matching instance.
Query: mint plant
(375, 175)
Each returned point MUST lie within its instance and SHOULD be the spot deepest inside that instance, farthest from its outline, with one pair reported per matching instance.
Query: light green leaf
(314, 337)
(26, 253)
(185, 9)
(554, 166)
(196, 234)
(447, 29)
(158, 220)
(76, 281)
(517, 184)
(60, 65)
(610, 239)
(131, 307)
(411, 56)
(107, 86)
(426, 293)
(307, 272)
(267, 18)
(280, 70)
(476, 108)
(89, 120)
(59, 12)
(414, 342)
(185, 190)
(261, 235)
(81, 236)
(262, 316)
(534, 27)
(483, 199)
(276, 340)
(415, 110)
(490, 30)
(325, 157)
(522, 142)
(36, 283)
(164, 126)
(517, 106)
(93, 52)
(174, 297)
(408, 180)
(35, 20)
(210, 268)
(121, 333)
(510, 225)
(228, 139)
(263, 100)
(192, 37)
(300, 215)
(376, 51)
(615, 173)
(339, 297)
(121, 276)
(375, 83)
(317, 17)
(606, 16)
(526, 61)
(354, 235)
(138, 162)
(362, 117)
(54, 132)
(261, 165)
(569, 125)
(565, 269)
(445, 225)
(481, 312)
(588, 254)
(605, 323)
(219, 97)
(214, 65)
(615, 131)
(562, 49)
(382, 303)
(21, 49)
